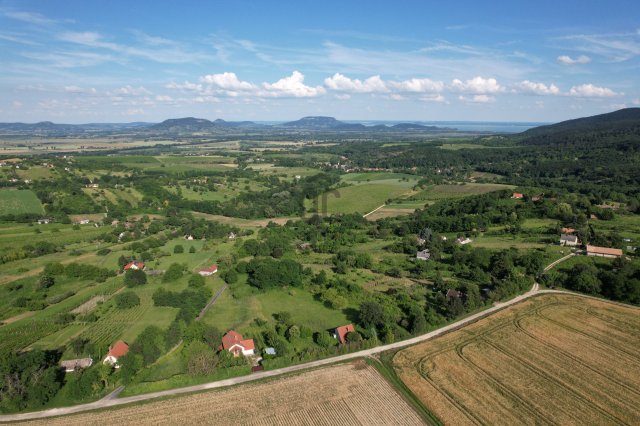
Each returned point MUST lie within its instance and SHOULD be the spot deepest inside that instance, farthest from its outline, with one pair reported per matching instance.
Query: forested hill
(621, 125)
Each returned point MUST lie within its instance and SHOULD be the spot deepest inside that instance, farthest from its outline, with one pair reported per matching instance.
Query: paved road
(111, 402)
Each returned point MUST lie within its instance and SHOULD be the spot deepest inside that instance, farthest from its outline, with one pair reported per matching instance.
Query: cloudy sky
(115, 61)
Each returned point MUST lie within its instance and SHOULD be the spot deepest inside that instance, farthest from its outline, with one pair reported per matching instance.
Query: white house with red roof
(134, 265)
(340, 333)
(234, 343)
(518, 195)
(116, 351)
(208, 271)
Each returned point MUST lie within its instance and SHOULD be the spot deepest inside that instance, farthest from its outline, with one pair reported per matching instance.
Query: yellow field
(348, 394)
(554, 359)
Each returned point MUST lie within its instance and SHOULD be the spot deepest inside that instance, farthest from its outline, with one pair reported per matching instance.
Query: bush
(192, 249)
(178, 249)
(173, 273)
(134, 278)
(45, 281)
(127, 300)
(103, 252)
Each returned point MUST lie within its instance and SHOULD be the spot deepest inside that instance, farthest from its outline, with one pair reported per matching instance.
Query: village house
(188, 237)
(116, 351)
(234, 343)
(206, 272)
(72, 365)
(340, 333)
(232, 235)
(44, 221)
(134, 265)
(463, 240)
(569, 240)
(82, 221)
(517, 196)
(423, 255)
(566, 230)
(603, 251)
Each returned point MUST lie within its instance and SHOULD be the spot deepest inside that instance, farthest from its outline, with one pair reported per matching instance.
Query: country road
(112, 402)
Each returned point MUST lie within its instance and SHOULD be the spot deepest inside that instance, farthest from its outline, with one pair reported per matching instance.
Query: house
(232, 235)
(188, 237)
(234, 343)
(116, 351)
(517, 196)
(133, 265)
(206, 272)
(423, 255)
(451, 294)
(44, 221)
(340, 333)
(603, 251)
(72, 365)
(82, 221)
(568, 240)
(463, 240)
(565, 230)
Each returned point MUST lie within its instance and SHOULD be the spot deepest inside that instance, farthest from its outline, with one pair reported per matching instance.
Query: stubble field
(348, 394)
(555, 359)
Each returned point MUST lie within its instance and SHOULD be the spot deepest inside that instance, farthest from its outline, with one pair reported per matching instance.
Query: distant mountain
(322, 123)
(47, 127)
(621, 123)
(184, 125)
(414, 126)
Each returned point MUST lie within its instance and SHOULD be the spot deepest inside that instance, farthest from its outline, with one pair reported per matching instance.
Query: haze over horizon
(79, 62)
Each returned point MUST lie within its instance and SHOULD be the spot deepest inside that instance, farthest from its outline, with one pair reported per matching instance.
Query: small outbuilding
(340, 333)
(72, 365)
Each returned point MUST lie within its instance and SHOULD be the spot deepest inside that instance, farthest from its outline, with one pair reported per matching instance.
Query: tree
(353, 337)
(135, 277)
(45, 281)
(178, 249)
(324, 339)
(293, 333)
(127, 300)
(173, 273)
(230, 276)
(192, 249)
(284, 317)
(371, 314)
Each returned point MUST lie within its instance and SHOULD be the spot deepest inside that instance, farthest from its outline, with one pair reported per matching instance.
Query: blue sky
(115, 61)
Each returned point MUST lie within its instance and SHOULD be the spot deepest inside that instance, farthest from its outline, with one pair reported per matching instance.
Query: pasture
(448, 191)
(346, 394)
(553, 359)
(19, 201)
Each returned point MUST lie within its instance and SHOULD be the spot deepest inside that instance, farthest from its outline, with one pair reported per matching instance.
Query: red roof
(604, 251)
(119, 349)
(234, 338)
(341, 332)
(212, 268)
(517, 195)
(130, 265)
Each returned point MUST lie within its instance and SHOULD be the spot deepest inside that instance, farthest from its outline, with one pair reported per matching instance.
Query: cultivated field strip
(551, 360)
(348, 394)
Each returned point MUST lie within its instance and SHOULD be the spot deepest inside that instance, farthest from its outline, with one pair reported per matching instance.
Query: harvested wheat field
(553, 359)
(347, 394)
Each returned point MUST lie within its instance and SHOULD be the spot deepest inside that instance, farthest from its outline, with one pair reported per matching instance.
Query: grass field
(440, 192)
(16, 201)
(347, 394)
(554, 359)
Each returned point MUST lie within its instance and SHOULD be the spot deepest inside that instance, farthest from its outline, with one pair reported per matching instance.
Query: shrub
(127, 300)
(135, 277)
(178, 249)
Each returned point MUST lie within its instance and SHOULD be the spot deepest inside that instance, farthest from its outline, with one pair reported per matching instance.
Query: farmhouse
(603, 251)
(134, 265)
(463, 240)
(232, 235)
(517, 196)
(423, 255)
(116, 351)
(568, 240)
(44, 221)
(206, 272)
(234, 343)
(72, 365)
(340, 333)
(188, 237)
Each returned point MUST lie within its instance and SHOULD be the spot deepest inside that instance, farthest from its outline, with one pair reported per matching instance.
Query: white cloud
(342, 83)
(533, 88)
(568, 60)
(636, 101)
(342, 96)
(227, 81)
(591, 91)
(433, 98)
(164, 98)
(477, 85)
(78, 89)
(396, 97)
(477, 99)
(292, 86)
(418, 85)
(131, 91)
(185, 87)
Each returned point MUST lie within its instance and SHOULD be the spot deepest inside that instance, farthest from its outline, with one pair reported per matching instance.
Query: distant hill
(199, 125)
(321, 123)
(618, 124)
